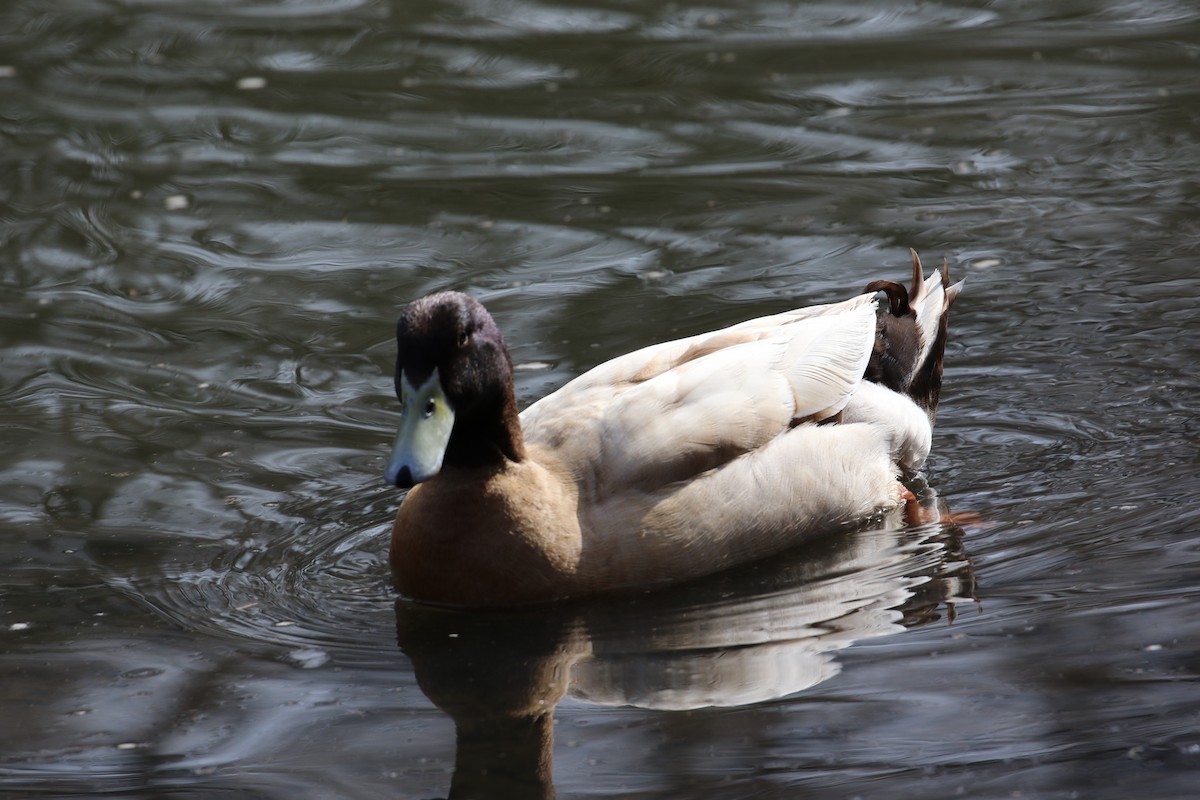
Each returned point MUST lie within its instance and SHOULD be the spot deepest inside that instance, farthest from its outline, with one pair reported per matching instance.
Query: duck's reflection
(746, 636)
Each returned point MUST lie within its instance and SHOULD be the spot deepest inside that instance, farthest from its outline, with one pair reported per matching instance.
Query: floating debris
(308, 657)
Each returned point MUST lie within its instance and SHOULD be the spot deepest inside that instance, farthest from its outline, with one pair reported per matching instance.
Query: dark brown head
(454, 383)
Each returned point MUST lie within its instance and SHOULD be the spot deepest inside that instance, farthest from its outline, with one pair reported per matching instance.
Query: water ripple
(308, 594)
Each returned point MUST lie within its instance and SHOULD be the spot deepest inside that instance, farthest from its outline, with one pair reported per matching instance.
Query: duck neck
(487, 436)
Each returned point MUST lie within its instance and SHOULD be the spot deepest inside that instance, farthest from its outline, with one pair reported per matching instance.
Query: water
(212, 212)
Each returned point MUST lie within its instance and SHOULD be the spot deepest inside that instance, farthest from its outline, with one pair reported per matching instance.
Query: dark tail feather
(910, 336)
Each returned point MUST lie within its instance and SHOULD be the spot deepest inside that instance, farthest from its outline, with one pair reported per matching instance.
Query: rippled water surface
(211, 212)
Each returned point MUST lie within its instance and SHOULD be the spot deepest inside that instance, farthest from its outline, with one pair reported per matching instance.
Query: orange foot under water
(916, 514)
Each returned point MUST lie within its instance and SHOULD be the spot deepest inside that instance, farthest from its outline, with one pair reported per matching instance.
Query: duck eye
(430, 407)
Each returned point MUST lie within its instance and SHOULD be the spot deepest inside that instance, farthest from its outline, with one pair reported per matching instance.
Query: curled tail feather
(910, 335)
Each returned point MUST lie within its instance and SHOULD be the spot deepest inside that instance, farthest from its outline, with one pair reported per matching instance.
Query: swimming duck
(672, 462)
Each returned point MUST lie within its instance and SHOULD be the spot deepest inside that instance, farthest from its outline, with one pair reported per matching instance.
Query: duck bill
(425, 424)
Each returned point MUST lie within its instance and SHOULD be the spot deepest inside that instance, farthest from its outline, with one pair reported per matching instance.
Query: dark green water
(211, 212)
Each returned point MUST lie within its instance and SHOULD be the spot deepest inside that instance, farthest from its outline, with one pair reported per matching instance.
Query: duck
(672, 462)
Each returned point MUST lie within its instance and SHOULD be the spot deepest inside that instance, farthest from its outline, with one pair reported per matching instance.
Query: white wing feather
(672, 411)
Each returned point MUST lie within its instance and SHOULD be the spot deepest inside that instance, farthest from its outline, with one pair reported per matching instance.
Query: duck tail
(910, 335)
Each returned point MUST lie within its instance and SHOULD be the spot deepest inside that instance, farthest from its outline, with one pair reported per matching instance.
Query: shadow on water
(306, 662)
(256, 717)
(748, 636)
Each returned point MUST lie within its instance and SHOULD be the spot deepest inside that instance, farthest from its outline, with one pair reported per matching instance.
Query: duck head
(454, 383)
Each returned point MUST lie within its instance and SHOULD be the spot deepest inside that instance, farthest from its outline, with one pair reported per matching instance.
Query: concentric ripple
(309, 595)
